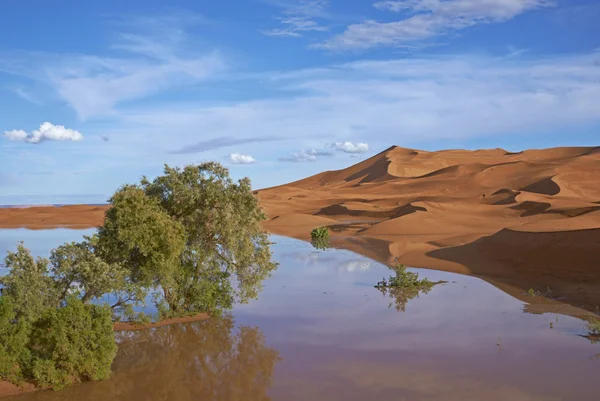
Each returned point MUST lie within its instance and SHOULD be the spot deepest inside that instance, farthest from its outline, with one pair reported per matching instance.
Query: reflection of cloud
(357, 265)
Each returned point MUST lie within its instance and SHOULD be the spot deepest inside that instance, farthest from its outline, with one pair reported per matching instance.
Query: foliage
(191, 237)
(28, 284)
(71, 343)
(320, 238)
(193, 232)
(404, 279)
(76, 269)
(593, 327)
(13, 347)
(319, 233)
(75, 342)
(404, 286)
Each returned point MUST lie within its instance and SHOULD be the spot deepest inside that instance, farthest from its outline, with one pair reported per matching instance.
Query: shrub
(72, 343)
(319, 233)
(404, 279)
(594, 327)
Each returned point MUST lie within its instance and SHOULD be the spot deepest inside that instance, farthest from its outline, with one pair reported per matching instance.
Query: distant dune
(518, 220)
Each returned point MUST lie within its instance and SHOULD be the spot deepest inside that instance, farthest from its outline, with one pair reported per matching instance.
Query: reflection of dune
(450, 209)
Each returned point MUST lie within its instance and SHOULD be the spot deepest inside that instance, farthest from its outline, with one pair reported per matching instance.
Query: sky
(94, 95)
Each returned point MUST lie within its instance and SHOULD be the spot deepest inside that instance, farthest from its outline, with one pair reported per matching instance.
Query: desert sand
(517, 220)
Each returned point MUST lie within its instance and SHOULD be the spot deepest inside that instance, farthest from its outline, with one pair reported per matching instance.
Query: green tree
(28, 284)
(192, 232)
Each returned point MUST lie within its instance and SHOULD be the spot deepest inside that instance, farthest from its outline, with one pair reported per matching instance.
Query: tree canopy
(192, 238)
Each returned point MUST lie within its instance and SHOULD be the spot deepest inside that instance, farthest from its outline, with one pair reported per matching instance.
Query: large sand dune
(518, 220)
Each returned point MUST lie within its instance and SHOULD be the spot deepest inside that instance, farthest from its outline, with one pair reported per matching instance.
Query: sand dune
(519, 220)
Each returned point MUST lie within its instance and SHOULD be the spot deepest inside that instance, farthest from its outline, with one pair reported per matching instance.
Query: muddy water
(320, 331)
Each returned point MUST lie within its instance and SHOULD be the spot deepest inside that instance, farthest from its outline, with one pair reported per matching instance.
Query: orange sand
(518, 220)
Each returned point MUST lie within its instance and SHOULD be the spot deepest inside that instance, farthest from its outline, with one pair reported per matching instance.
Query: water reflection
(207, 360)
(401, 295)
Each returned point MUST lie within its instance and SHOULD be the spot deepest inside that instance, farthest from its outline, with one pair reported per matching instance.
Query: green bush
(594, 327)
(72, 343)
(404, 279)
(14, 352)
(319, 233)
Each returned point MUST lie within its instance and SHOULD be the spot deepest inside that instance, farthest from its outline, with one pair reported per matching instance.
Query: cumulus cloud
(310, 155)
(425, 19)
(238, 158)
(46, 132)
(349, 147)
(300, 18)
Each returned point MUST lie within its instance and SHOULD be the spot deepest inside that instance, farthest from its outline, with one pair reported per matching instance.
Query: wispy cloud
(151, 55)
(223, 142)
(422, 20)
(300, 17)
(350, 147)
(402, 102)
(46, 132)
(310, 155)
(26, 95)
(238, 158)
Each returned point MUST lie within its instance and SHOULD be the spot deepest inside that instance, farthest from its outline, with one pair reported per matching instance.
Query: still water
(320, 331)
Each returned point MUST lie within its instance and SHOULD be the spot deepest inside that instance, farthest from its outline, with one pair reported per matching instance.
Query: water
(320, 331)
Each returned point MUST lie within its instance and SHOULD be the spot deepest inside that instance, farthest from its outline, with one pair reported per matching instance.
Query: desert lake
(320, 331)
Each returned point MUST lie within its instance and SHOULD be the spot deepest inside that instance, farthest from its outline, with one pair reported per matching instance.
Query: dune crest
(530, 218)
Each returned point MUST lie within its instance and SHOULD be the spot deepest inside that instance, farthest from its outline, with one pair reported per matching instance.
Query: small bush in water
(594, 327)
(319, 233)
(404, 279)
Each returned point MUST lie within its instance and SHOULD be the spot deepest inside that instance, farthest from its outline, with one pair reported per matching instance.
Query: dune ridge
(521, 220)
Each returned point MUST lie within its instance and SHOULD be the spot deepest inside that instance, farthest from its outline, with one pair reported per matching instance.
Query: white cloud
(349, 147)
(426, 19)
(300, 18)
(238, 158)
(153, 56)
(309, 155)
(46, 132)
(402, 102)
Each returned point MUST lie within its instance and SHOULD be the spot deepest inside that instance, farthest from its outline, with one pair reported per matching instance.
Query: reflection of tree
(401, 295)
(320, 243)
(210, 360)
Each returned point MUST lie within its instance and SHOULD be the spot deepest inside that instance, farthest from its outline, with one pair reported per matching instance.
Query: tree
(13, 347)
(28, 285)
(194, 233)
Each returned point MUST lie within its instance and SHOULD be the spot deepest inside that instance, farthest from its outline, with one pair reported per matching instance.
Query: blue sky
(97, 94)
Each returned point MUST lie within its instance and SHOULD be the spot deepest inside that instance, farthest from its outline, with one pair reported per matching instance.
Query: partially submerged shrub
(319, 237)
(404, 279)
(593, 327)
(319, 233)
(404, 286)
